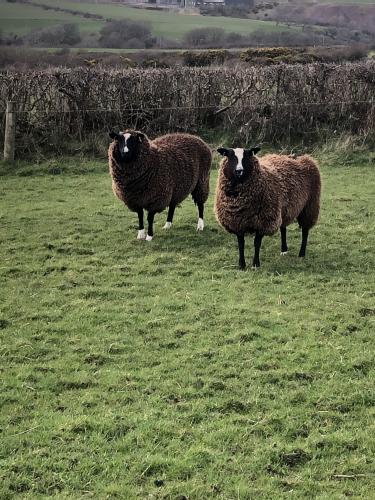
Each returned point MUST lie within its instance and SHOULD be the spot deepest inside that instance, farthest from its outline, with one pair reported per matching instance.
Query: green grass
(158, 370)
(166, 24)
(22, 18)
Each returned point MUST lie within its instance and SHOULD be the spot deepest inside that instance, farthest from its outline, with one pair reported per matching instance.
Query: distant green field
(22, 18)
(17, 18)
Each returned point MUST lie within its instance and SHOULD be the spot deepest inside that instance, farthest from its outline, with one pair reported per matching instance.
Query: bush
(55, 36)
(126, 34)
(204, 58)
(205, 37)
(154, 63)
(249, 55)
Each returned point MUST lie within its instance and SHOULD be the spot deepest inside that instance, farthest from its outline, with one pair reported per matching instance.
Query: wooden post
(10, 131)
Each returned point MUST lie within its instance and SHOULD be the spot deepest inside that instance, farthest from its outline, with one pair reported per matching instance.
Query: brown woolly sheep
(262, 195)
(152, 175)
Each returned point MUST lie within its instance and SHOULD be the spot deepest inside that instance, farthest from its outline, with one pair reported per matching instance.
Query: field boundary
(276, 104)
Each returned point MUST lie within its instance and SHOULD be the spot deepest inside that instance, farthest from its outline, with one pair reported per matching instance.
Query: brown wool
(167, 170)
(278, 191)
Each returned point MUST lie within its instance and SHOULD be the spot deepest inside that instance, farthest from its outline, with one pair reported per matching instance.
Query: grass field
(22, 18)
(158, 370)
(17, 19)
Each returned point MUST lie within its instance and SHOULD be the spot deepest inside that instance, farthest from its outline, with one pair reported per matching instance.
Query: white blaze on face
(239, 155)
(126, 137)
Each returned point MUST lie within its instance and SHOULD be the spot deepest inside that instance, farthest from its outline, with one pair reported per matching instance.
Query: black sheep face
(129, 144)
(239, 162)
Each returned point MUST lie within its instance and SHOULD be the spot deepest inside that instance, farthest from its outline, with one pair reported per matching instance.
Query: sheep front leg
(305, 235)
(170, 215)
(241, 249)
(141, 227)
(257, 244)
(284, 246)
(150, 230)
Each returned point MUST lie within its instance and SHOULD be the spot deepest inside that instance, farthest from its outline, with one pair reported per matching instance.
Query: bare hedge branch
(281, 103)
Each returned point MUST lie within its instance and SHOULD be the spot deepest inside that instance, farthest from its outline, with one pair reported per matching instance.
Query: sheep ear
(223, 151)
(254, 151)
(113, 135)
(140, 136)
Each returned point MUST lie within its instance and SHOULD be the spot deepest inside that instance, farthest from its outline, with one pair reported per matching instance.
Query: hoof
(200, 225)
(167, 225)
(283, 253)
(141, 235)
(148, 238)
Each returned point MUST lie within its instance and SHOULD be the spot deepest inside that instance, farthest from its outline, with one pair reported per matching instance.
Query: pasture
(23, 18)
(159, 370)
(19, 19)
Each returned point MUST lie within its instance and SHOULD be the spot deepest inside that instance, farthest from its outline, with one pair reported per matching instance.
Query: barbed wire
(208, 107)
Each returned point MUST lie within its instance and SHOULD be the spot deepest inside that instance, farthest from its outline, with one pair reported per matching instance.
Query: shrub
(55, 36)
(154, 63)
(205, 37)
(204, 58)
(249, 55)
(118, 34)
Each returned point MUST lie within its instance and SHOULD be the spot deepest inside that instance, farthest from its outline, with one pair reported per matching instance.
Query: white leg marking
(167, 225)
(283, 253)
(200, 225)
(141, 235)
(148, 238)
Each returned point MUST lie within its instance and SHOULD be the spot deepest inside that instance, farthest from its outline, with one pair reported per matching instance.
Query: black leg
(150, 220)
(284, 246)
(200, 210)
(140, 220)
(141, 227)
(257, 245)
(200, 225)
(170, 215)
(241, 249)
(305, 234)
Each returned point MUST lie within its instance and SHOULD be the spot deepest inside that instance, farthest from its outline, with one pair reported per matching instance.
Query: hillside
(353, 16)
(20, 18)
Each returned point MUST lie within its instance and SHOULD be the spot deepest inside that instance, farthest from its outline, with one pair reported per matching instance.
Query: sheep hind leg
(141, 228)
(170, 215)
(200, 195)
(257, 244)
(305, 235)
(284, 246)
(241, 249)
(150, 229)
(200, 225)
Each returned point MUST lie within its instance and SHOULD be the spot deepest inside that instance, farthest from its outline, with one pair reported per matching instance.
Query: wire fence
(61, 109)
(212, 108)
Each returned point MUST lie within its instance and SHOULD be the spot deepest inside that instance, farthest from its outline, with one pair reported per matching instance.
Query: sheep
(152, 175)
(263, 195)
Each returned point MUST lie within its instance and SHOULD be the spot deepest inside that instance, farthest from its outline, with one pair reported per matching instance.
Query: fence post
(10, 131)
